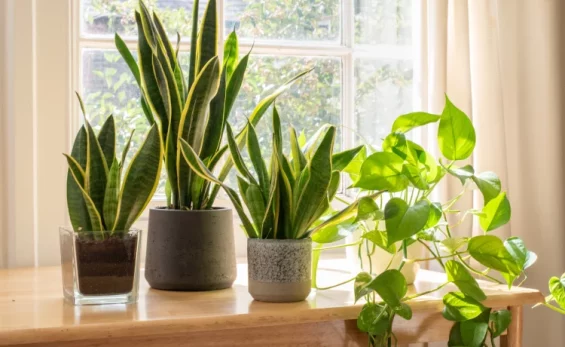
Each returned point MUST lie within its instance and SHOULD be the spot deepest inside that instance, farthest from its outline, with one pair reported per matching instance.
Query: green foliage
(99, 196)
(405, 175)
(194, 108)
(288, 200)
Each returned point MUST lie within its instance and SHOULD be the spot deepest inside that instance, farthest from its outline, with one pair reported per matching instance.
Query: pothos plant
(194, 109)
(292, 199)
(407, 213)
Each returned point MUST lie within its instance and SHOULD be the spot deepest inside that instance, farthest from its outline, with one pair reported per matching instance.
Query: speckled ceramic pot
(279, 270)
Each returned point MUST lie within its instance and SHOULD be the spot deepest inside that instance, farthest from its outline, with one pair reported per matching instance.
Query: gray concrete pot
(279, 270)
(190, 250)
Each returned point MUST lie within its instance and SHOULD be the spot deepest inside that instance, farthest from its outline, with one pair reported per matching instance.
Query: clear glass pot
(100, 267)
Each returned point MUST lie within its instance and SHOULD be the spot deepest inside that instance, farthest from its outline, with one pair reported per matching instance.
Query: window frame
(344, 49)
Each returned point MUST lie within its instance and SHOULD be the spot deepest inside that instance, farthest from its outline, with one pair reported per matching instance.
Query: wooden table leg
(514, 333)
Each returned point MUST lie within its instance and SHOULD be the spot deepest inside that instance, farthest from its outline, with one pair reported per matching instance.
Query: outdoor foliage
(100, 195)
(287, 200)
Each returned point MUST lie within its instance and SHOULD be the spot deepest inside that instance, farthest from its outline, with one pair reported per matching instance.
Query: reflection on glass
(316, 20)
(383, 22)
(383, 91)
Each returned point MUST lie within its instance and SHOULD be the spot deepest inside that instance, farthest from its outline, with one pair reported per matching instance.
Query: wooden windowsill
(32, 310)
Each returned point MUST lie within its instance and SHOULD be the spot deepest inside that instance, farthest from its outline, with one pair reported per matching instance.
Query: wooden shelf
(32, 310)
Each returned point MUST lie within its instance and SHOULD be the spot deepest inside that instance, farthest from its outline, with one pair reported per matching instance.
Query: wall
(36, 103)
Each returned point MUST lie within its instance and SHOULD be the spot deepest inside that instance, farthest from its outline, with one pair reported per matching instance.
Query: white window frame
(40, 115)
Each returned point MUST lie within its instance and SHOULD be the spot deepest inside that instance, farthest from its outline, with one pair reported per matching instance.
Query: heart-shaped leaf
(517, 249)
(373, 319)
(368, 210)
(490, 251)
(361, 285)
(460, 307)
(409, 121)
(500, 321)
(460, 276)
(382, 171)
(474, 331)
(495, 213)
(380, 239)
(403, 221)
(391, 287)
(489, 185)
(456, 134)
(557, 289)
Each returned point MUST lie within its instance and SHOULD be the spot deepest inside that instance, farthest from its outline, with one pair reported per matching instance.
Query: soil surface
(106, 267)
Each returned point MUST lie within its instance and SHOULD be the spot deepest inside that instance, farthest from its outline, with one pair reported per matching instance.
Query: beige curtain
(501, 61)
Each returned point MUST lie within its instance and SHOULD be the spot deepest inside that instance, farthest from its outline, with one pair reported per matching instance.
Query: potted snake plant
(100, 254)
(287, 204)
(190, 240)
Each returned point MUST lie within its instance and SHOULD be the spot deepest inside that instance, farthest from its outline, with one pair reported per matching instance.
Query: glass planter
(100, 267)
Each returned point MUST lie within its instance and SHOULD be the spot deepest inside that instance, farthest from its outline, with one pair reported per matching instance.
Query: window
(361, 52)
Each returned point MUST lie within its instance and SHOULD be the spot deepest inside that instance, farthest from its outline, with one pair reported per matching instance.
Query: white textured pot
(380, 259)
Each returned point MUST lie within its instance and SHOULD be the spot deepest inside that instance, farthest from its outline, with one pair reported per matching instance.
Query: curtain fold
(501, 62)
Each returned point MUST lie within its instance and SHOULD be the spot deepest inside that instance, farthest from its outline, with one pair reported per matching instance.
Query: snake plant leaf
(193, 120)
(216, 120)
(234, 84)
(231, 54)
(96, 169)
(342, 159)
(128, 57)
(111, 196)
(163, 37)
(78, 212)
(126, 149)
(300, 184)
(76, 169)
(140, 180)
(270, 221)
(332, 191)
(193, 44)
(310, 145)
(255, 202)
(107, 140)
(134, 68)
(257, 158)
(207, 42)
(163, 86)
(95, 221)
(237, 158)
(298, 159)
(317, 186)
(254, 118)
(201, 170)
(149, 30)
(149, 84)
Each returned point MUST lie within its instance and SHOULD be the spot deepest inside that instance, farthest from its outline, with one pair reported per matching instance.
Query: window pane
(317, 20)
(383, 91)
(383, 22)
(105, 17)
(108, 87)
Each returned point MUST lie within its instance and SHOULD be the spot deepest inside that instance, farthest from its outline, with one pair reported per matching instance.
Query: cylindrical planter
(100, 267)
(279, 270)
(190, 250)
